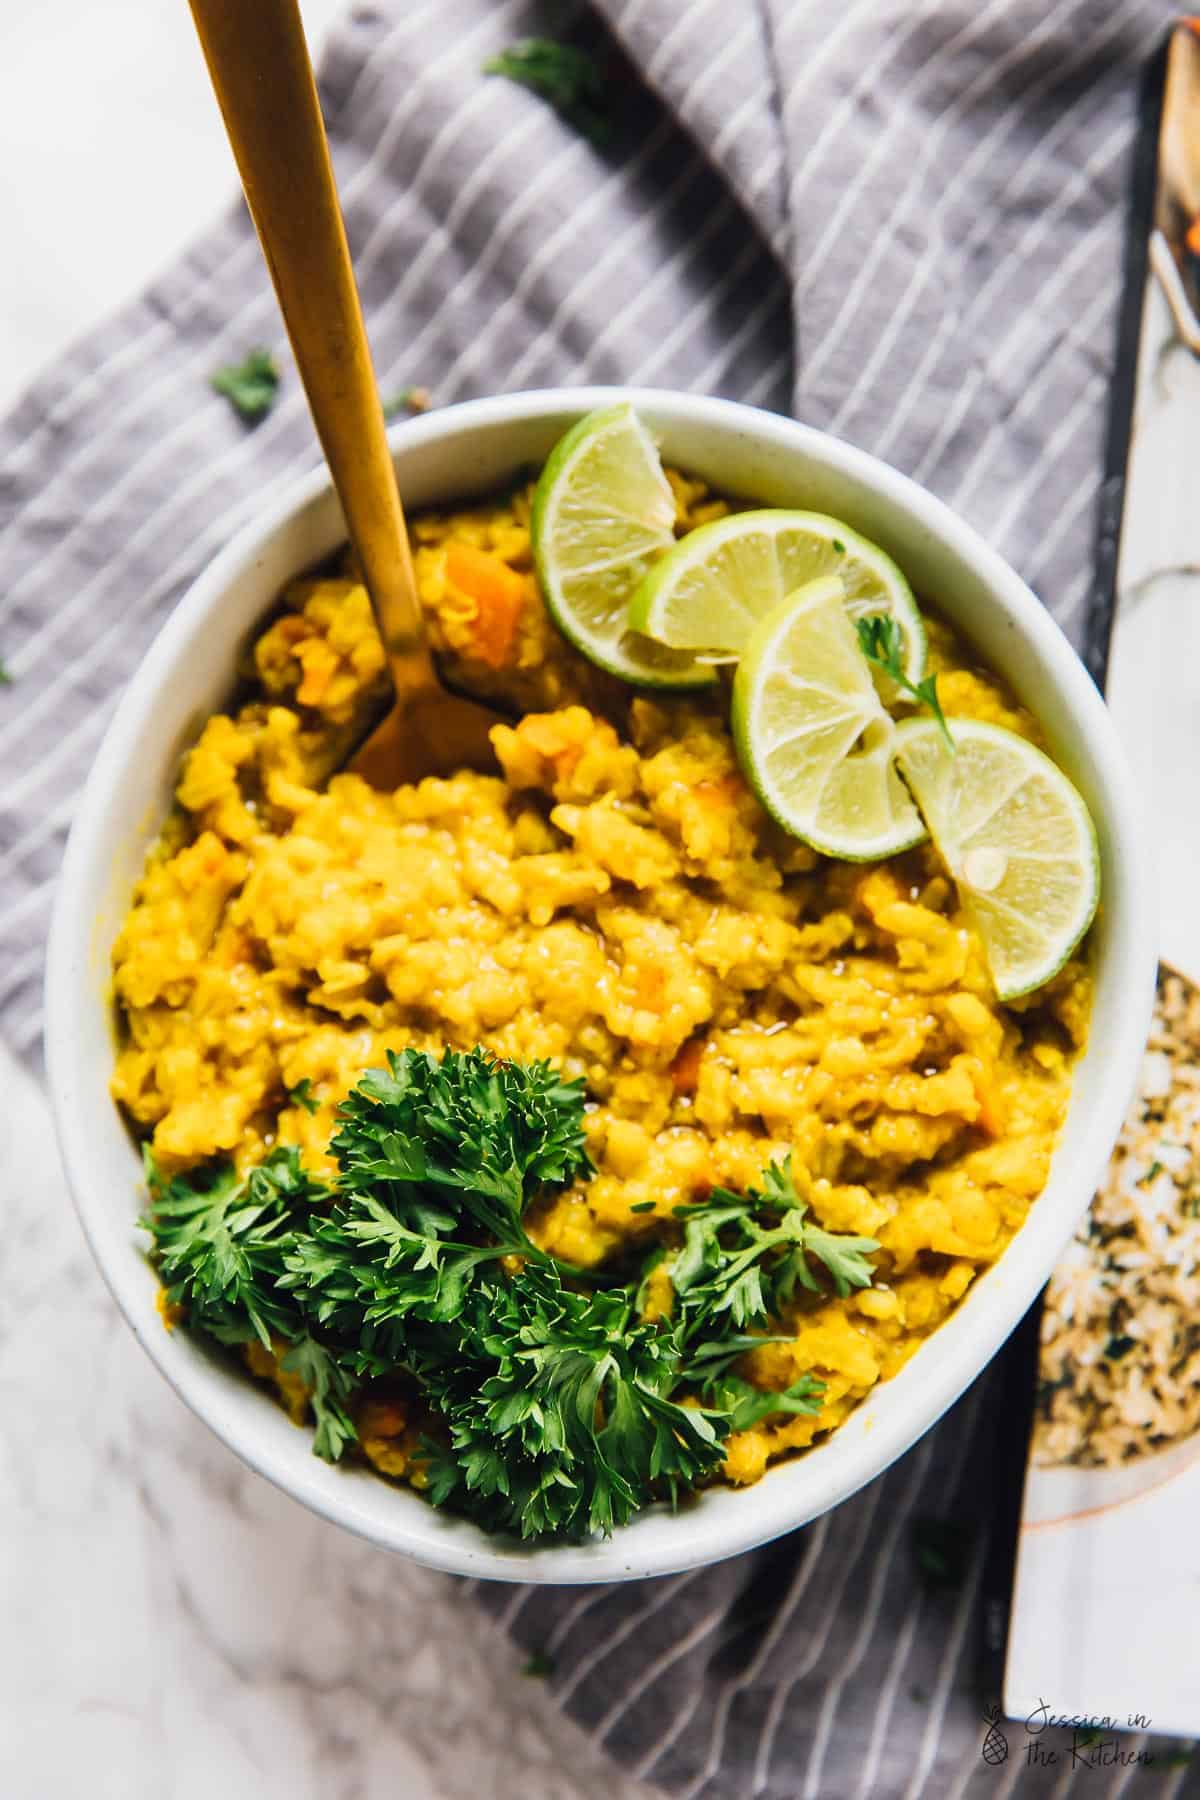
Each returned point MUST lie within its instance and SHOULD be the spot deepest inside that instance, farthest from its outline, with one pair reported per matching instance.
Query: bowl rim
(766, 1511)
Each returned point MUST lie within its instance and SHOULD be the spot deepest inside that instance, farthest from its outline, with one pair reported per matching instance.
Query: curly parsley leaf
(437, 1160)
(330, 1390)
(747, 1405)
(250, 386)
(559, 1410)
(567, 78)
(491, 1132)
(220, 1241)
(733, 1262)
(882, 643)
(556, 1410)
(302, 1095)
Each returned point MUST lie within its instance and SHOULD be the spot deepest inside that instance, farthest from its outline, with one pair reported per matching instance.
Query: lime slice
(1016, 837)
(603, 513)
(812, 734)
(713, 588)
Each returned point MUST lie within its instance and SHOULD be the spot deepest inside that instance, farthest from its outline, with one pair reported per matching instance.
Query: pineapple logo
(995, 1744)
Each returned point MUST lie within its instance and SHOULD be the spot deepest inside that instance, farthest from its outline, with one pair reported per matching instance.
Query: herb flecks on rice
(1120, 1365)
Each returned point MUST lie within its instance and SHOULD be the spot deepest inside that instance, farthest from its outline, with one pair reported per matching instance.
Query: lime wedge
(603, 513)
(1017, 838)
(812, 734)
(709, 592)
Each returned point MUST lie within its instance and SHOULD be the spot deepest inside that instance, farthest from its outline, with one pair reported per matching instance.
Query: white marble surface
(172, 1626)
(114, 157)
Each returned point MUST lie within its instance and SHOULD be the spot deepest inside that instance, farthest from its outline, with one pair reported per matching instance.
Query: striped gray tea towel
(898, 219)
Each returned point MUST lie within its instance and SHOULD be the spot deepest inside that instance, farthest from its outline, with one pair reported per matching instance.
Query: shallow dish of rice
(613, 899)
(1118, 1401)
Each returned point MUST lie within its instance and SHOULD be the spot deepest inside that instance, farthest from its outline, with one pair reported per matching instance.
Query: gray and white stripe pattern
(899, 219)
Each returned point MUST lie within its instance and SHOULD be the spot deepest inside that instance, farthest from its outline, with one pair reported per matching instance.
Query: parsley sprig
(557, 1409)
(437, 1161)
(882, 643)
(567, 78)
(249, 386)
(221, 1244)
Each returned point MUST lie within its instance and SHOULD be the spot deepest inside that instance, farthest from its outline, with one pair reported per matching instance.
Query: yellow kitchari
(616, 900)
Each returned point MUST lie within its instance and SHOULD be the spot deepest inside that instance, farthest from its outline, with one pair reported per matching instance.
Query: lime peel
(1016, 836)
(603, 514)
(709, 593)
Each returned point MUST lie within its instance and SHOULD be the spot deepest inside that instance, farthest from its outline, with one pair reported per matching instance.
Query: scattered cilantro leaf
(881, 642)
(644, 1206)
(567, 78)
(1154, 1169)
(6, 679)
(250, 386)
(539, 1664)
(302, 1095)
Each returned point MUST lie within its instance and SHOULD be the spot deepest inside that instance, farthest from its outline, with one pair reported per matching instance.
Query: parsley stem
(881, 642)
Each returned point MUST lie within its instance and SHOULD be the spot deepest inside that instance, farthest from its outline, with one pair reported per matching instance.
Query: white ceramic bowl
(187, 674)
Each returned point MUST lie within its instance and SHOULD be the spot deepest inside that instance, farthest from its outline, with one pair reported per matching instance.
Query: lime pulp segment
(1017, 838)
(812, 734)
(709, 593)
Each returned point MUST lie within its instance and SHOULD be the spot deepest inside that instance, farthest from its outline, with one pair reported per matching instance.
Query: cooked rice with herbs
(1120, 1363)
(615, 901)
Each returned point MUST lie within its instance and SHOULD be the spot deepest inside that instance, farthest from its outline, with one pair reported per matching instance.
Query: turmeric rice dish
(613, 900)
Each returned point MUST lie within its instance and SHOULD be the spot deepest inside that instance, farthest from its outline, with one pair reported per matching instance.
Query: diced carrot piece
(498, 592)
(319, 663)
(992, 1117)
(685, 1070)
(291, 628)
(382, 1418)
(719, 793)
(649, 985)
(211, 854)
(546, 733)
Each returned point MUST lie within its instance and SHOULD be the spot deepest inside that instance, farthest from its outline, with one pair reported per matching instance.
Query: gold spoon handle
(260, 68)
